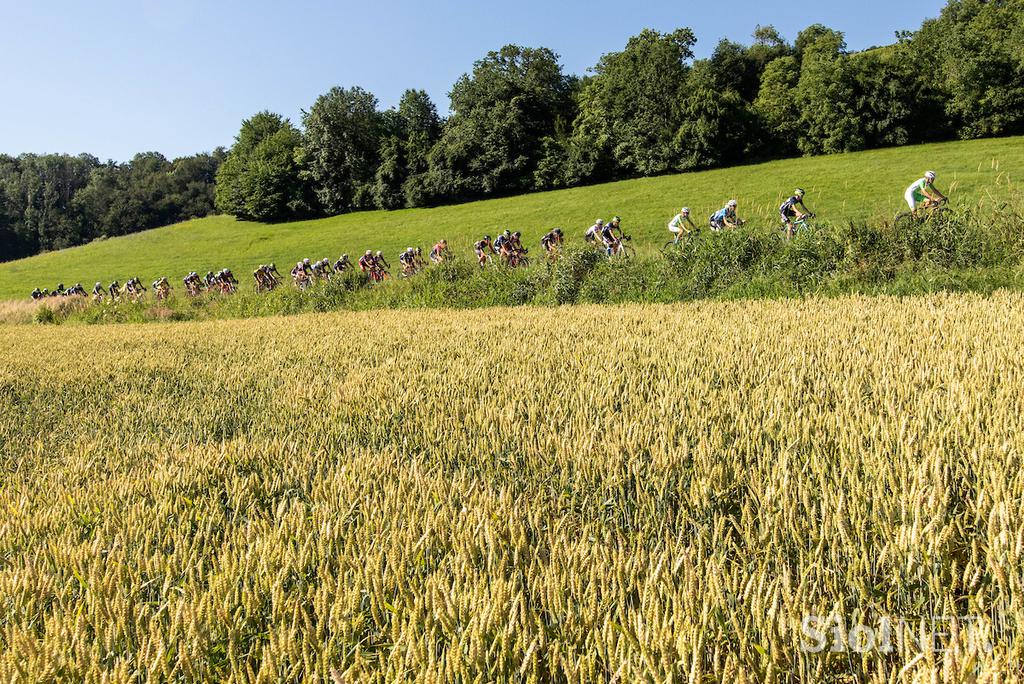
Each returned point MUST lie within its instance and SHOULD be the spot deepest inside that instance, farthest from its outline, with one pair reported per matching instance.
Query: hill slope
(857, 186)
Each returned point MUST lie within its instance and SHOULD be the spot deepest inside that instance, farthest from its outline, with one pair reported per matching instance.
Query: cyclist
(80, 291)
(161, 288)
(300, 277)
(325, 268)
(481, 248)
(192, 283)
(114, 290)
(726, 217)
(407, 259)
(382, 264)
(791, 214)
(264, 281)
(367, 263)
(923, 192)
(551, 242)
(342, 264)
(501, 243)
(611, 241)
(593, 231)
(677, 225)
(37, 293)
(439, 252)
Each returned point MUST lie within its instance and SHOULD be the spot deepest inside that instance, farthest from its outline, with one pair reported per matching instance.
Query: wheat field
(627, 494)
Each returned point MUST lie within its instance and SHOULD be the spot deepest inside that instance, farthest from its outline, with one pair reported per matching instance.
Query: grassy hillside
(856, 186)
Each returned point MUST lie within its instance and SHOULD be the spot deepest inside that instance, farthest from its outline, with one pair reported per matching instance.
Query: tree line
(518, 123)
(54, 201)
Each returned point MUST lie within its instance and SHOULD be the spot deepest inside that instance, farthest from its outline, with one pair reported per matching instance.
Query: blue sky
(113, 78)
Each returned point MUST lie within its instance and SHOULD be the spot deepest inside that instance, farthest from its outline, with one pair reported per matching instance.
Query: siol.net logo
(895, 634)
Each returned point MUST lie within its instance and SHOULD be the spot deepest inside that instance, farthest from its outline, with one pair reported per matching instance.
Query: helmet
(600, 222)
(558, 231)
(77, 285)
(731, 203)
(99, 284)
(516, 234)
(344, 256)
(616, 219)
(369, 252)
(273, 267)
(306, 261)
(685, 210)
(799, 192)
(930, 175)
(379, 252)
(507, 232)
(487, 237)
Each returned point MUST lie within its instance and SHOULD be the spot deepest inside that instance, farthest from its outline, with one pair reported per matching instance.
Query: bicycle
(622, 249)
(517, 258)
(683, 239)
(928, 210)
(799, 225)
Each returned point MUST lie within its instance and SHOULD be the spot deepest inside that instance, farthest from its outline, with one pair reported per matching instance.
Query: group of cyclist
(508, 247)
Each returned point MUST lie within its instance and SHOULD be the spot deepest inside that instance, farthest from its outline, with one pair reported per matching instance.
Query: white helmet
(600, 222)
(369, 252)
(686, 210)
(930, 175)
(379, 252)
(732, 203)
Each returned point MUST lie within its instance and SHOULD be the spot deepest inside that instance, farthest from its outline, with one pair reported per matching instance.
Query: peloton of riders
(793, 212)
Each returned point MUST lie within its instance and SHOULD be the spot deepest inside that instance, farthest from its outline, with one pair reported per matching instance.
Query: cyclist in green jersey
(922, 192)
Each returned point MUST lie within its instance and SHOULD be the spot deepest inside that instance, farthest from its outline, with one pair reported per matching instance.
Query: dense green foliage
(56, 201)
(260, 178)
(519, 124)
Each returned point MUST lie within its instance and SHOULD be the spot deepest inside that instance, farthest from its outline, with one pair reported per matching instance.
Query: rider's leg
(911, 202)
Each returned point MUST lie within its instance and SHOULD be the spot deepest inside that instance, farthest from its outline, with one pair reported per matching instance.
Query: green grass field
(860, 186)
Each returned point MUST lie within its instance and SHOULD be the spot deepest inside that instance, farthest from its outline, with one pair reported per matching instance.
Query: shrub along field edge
(978, 250)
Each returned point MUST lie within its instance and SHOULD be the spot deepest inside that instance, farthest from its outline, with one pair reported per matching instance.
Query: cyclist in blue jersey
(725, 217)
